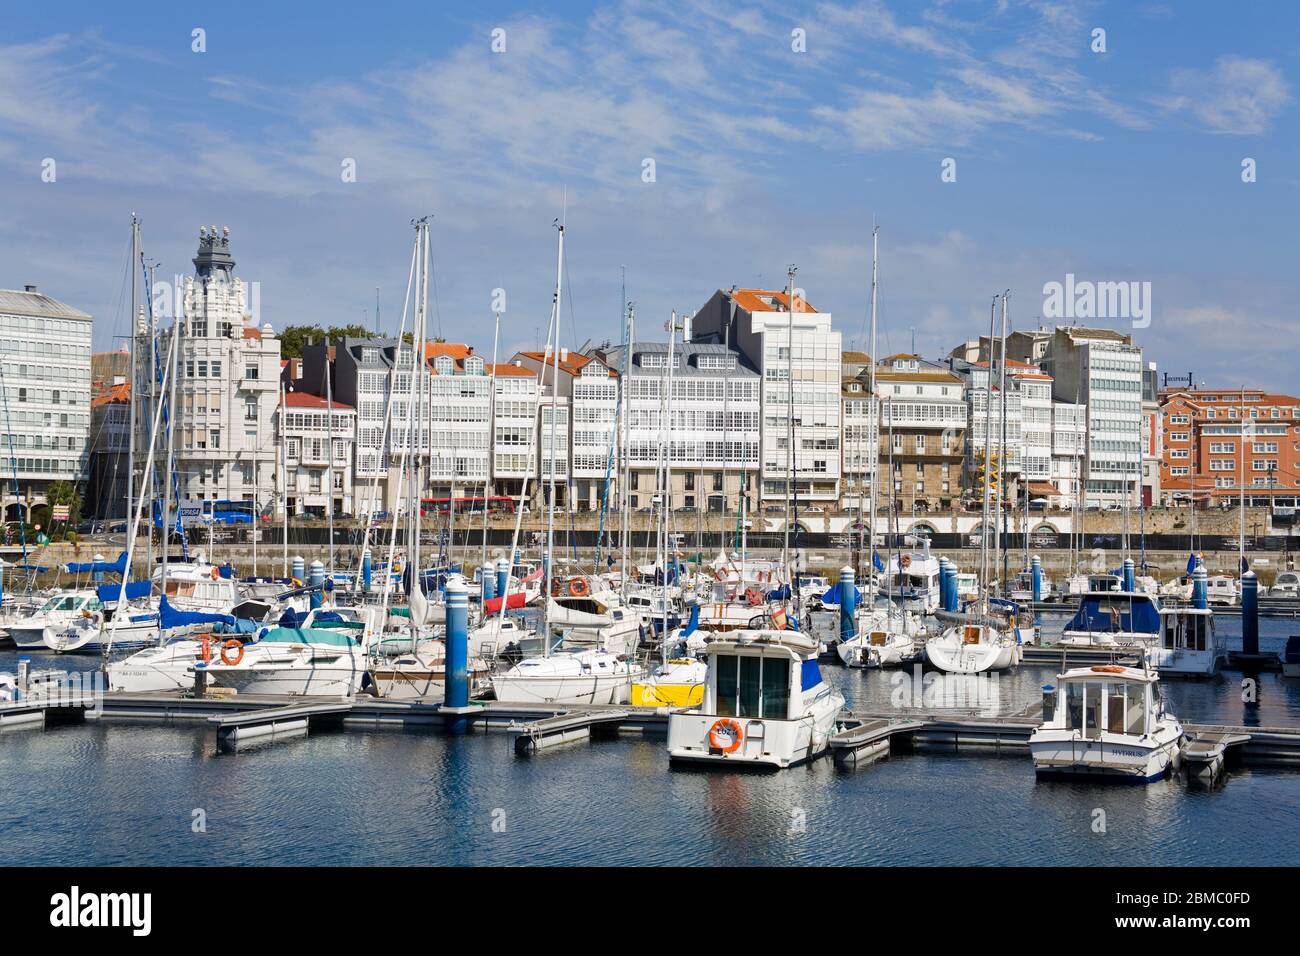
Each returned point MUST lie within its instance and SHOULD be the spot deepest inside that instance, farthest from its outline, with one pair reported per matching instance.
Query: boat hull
(766, 743)
(563, 689)
(1062, 754)
(956, 657)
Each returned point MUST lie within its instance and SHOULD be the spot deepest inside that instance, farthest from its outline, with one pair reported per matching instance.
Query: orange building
(1203, 459)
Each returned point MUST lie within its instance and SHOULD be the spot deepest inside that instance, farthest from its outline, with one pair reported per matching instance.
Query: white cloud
(1238, 95)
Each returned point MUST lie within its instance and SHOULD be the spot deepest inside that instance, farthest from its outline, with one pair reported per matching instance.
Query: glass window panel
(1135, 717)
(750, 686)
(727, 672)
(776, 689)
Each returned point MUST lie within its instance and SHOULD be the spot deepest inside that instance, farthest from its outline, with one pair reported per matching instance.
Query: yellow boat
(677, 683)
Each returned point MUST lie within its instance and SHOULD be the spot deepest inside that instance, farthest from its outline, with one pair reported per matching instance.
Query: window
(216, 438)
(717, 481)
(250, 370)
(920, 444)
(250, 410)
(753, 687)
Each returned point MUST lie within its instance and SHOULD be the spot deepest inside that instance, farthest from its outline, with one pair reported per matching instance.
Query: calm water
(126, 794)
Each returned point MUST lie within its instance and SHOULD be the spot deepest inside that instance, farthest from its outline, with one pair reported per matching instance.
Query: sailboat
(984, 641)
(586, 675)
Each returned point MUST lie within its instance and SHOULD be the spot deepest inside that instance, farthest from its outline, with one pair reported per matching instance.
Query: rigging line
(433, 277)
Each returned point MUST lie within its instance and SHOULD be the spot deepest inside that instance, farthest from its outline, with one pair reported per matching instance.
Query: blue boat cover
(832, 595)
(109, 593)
(810, 675)
(693, 623)
(89, 567)
(1137, 614)
(780, 594)
(241, 626)
(291, 618)
(169, 616)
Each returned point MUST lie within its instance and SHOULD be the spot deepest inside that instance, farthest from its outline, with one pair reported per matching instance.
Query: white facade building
(514, 426)
(318, 451)
(45, 351)
(797, 354)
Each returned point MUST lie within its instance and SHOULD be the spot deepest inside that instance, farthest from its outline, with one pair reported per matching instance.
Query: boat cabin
(1107, 698)
(1187, 629)
(760, 675)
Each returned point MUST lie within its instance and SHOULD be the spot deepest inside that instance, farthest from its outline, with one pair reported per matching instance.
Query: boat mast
(1002, 448)
(988, 461)
(487, 473)
(284, 494)
(789, 416)
(1241, 491)
(629, 341)
(329, 460)
(135, 395)
(553, 354)
(873, 409)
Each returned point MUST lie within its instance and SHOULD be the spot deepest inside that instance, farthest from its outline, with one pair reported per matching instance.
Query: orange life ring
(1108, 669)
(232, 645)
(578, 587)
(725, 729)
(215, 573)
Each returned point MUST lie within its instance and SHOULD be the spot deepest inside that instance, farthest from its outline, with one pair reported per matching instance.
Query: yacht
(1109, 616)
(884, 637)
(1188, 645)
(95, 633)
(577, 676)
(316, 661)
(1107, 721)
(974, 647)
(1021, 588)
(55, 615)
(912, 580)
(594, 618)
(765, 703)
(1285, 585)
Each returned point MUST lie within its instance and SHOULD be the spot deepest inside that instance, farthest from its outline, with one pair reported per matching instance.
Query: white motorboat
(1107, 721)
(912, 580)
(198, 586)
(1285, 585)
(1021, 588)
(1188, 644)
(1222, 590)
(55, 615)
(765, 703)
(95, 632)
(584, 676)
(975, 647)
(310, 661)
(593, 618)
(422, 673)
(168, 667)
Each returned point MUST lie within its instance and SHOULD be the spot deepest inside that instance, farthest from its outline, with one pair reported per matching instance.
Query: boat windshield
(1193, 635)
(62, 602)
(1114, 706)
(750, 686)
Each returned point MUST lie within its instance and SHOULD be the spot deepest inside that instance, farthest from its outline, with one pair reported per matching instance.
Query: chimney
(29, 288)
(564, 356)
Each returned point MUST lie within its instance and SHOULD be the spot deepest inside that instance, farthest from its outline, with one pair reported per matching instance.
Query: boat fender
(1108, 669)
(216, 572)
(232, 646)
(726, 735)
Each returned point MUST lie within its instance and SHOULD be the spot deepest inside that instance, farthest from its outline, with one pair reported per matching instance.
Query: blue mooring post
(848, 604)
(456, 693)
(503, 577)
(487, 583)
(1200, 588)
(298, 568)
(1249, 613)
(2, 585)
(1036, 572)
(943, 583)
(948, 584)
(367, 570)
(317, 580)
(1130, 579)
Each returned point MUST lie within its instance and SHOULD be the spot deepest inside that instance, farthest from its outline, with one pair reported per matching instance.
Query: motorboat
(593, 618)
(96, 632)
(1107, 721)
(1286, 585)
(765, 703)
(1188, 645)
(55, 615)
(1109, 617)
(573, 676)
(422, 673)
(1222, 590)
(315, 661)
(1021, 588)
(911, 579)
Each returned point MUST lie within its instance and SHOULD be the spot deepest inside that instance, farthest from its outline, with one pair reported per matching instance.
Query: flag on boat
(1245, 565)
(1191, 563)
(779, 620)
(876, 562)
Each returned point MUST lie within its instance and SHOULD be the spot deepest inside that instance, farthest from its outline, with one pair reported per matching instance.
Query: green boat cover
(310, 635)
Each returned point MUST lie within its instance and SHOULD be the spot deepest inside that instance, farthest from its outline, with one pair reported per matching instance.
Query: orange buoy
(578, 587)
(726, 735)
(215, 573)
(232, 645)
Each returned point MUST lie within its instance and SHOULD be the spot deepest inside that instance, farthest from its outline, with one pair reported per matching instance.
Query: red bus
(475, 505)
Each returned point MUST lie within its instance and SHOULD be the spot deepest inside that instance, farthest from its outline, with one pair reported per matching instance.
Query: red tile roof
(307, 400)
(112, 395)
(754, 300)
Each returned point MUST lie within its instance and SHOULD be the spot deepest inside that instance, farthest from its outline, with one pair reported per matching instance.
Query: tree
(65, 493)
(295, 337)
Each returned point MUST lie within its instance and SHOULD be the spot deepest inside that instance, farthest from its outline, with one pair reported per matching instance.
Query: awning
(1042, 489)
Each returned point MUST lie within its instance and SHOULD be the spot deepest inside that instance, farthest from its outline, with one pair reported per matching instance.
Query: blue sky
(1115, 166)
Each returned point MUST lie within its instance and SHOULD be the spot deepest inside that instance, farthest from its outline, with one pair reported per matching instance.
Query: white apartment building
(450, 429)
(861, 444)
(1102, 369)
(227, 379)
(712, 432)
(591, 388)
(1069, 448)
(45, 368)
(318, 449)
(797, 354)
(514, 424)
(923, 416)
